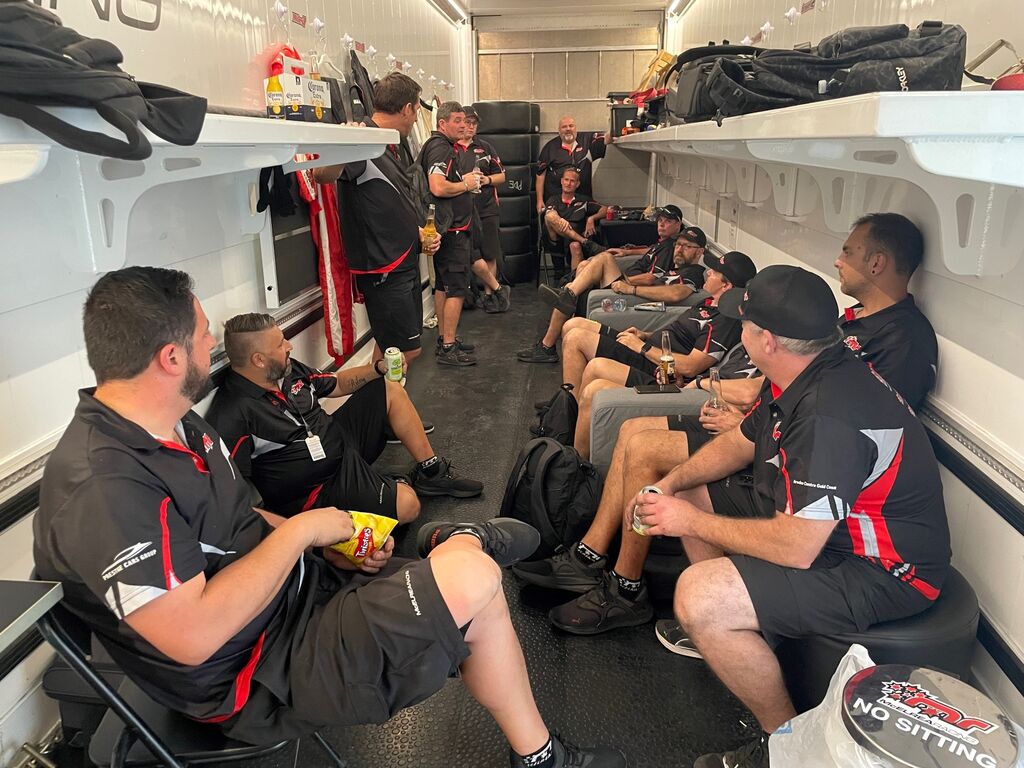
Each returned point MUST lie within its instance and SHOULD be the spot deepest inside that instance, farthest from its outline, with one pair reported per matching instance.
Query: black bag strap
(542, 519)
(135, 146)
(694, 54)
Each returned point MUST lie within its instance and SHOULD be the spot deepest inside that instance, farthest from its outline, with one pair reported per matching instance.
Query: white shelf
(98, 198)
(964, 150)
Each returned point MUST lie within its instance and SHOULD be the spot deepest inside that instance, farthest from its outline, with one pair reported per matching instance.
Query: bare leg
(608, 520)
(596, 273)
(407, 504)
(554, 331)
(452, 313)
(581, 322)
(575, 254)
(495, 672)
(578, 349)
(440, 300)
(406, 423)
(714, 608)
(481, 270)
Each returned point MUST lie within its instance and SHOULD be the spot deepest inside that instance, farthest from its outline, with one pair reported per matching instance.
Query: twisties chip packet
(371, 533)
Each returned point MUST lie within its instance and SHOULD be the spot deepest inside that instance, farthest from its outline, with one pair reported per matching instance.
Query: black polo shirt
(657, 260)
(576, 210)
(738, 365)
(440, 155)
(899, 343)
(688, 274)
(556, 157)
(266, 433)
(124, 518)
(705, 329)
(839, 444)
(480, 154)
(379, 213)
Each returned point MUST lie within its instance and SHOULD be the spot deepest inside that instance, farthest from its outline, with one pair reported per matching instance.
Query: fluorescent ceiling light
(673, 9)
(458, 9)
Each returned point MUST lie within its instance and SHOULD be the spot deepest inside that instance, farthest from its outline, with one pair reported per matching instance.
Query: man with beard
(216, 610)
(296, 455)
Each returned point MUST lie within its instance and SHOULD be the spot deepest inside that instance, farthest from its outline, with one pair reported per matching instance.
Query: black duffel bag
(45, 64)
(850, 62)
(687, 99)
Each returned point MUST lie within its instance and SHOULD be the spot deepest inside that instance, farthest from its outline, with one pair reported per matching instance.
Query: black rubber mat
(621, 689)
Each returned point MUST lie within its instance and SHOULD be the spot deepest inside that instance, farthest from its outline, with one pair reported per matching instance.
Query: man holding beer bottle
(380, 223)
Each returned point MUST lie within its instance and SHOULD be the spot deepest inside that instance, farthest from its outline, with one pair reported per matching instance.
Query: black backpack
(555, 491)
(43, 63)
(850, 62)
(687, 99)
(558, 417)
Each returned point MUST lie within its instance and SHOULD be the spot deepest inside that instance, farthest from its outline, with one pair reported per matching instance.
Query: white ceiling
(556, 7)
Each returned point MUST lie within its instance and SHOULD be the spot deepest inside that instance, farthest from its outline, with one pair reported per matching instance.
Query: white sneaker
(671, 635)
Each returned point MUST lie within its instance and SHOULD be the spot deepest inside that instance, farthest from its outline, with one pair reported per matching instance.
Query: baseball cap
(737, 267)
(670, 212)
(694, 235)
(471, 113)
(788, 301)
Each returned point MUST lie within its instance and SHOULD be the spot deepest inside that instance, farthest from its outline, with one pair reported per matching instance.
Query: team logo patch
(853, 343)
(777, 431)
(920, 704)
(207, 443)
(297, 387)
(704, 313)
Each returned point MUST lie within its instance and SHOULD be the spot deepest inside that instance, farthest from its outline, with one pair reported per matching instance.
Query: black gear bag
(45, 64)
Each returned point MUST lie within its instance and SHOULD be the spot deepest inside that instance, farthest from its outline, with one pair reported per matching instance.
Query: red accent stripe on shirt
(243, 683)
(785, 476)
(776, 391)
(197, 460)
(238, 445)
(850, 313)
(711, 330)
(311, 500)
(385, 269)
(171, 579)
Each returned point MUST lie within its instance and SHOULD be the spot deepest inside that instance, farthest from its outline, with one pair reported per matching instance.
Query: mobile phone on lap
(655, 389)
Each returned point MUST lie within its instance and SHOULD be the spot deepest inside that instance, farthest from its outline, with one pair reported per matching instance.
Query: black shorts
(839, 593)
(371, 647)
(452, 264)
(356, 484)
(641, 370)
(696, 435)
(486, 238)
(394, 306)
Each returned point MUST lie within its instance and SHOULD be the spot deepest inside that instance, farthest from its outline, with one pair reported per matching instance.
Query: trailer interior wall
(979, 321)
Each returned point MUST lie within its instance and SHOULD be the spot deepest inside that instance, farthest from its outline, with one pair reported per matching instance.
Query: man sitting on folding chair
(217, 610)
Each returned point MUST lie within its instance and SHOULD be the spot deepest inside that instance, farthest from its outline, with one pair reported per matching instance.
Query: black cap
(788, 301)
(471, 113)
(670, 212)
(737, 267)
(694, 235)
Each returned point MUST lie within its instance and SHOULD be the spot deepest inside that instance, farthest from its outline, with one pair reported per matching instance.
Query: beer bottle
(666, 363)
(715, 388)
(429, 230)
(275, 93)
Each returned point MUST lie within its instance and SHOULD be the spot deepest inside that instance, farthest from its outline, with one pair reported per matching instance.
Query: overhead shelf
(964, 150)
(96, 197)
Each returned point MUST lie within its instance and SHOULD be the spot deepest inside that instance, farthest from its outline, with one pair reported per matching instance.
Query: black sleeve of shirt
(904, 362)
(544, 159)
(323, 384)
(641, 265)
(352, 171)
(225, 416)
(824, 463)
(552, 202)
(718, 337)
(593, 207)
(436, 157)
(495, 165)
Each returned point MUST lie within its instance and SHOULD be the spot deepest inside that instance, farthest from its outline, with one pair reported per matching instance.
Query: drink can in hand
(639, 527)
(393, 359)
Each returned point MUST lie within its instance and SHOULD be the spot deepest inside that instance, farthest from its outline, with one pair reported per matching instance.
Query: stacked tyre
(513, 129)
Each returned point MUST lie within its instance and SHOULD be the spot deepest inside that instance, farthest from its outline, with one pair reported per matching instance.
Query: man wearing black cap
(700, 337)
(600, 272)
(684, 278)
(822, 513)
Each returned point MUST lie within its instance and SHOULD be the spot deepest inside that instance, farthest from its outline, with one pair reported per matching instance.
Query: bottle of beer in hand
(666, 363)
(715, 388)
(429, 230)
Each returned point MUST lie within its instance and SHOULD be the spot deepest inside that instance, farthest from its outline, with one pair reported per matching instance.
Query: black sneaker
(538, 353)
(392, 438)
(445, 483)
(505, 539)
(753, 754)
(454, 356)
(602, 609)
(563, 300)
(490, 303)
(464, 346)
(570, 756)
(671, 635)
(502, 299)
(563, 571)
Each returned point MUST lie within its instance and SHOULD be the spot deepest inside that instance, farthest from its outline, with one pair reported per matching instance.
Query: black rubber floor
(621, 689)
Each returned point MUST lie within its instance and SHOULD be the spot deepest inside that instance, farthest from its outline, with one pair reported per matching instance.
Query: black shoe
(753, 754)
(392, 438)
(570, 756)
(490, 303)
(446, 482)
(541, 405)
(563, 300)
(505, 539)
(601, 609)
(502, 299)
(464, 346)
(454, 356)
(563, 571)
(672, 636)
(538, 353)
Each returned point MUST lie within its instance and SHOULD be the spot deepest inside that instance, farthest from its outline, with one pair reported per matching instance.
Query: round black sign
(920, 718)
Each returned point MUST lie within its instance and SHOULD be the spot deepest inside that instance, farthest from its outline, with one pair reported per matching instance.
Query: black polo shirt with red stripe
(576, 210)
(482, 155)
(899, 343)
(555, 157)
(705, 329)
(657, 260)
(442, 156)
(125, 517)
(839, 444)
(267, 430)
(379, 213)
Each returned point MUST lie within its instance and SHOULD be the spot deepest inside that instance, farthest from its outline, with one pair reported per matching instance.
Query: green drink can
(638, 526)
(393, 358)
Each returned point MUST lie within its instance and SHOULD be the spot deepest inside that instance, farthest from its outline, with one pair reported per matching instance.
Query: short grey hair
(239, 335)
(805, 347)
(444, 112)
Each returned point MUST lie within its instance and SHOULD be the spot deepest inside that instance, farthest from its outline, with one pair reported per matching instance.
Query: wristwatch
(697, 381)
(645, 348)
